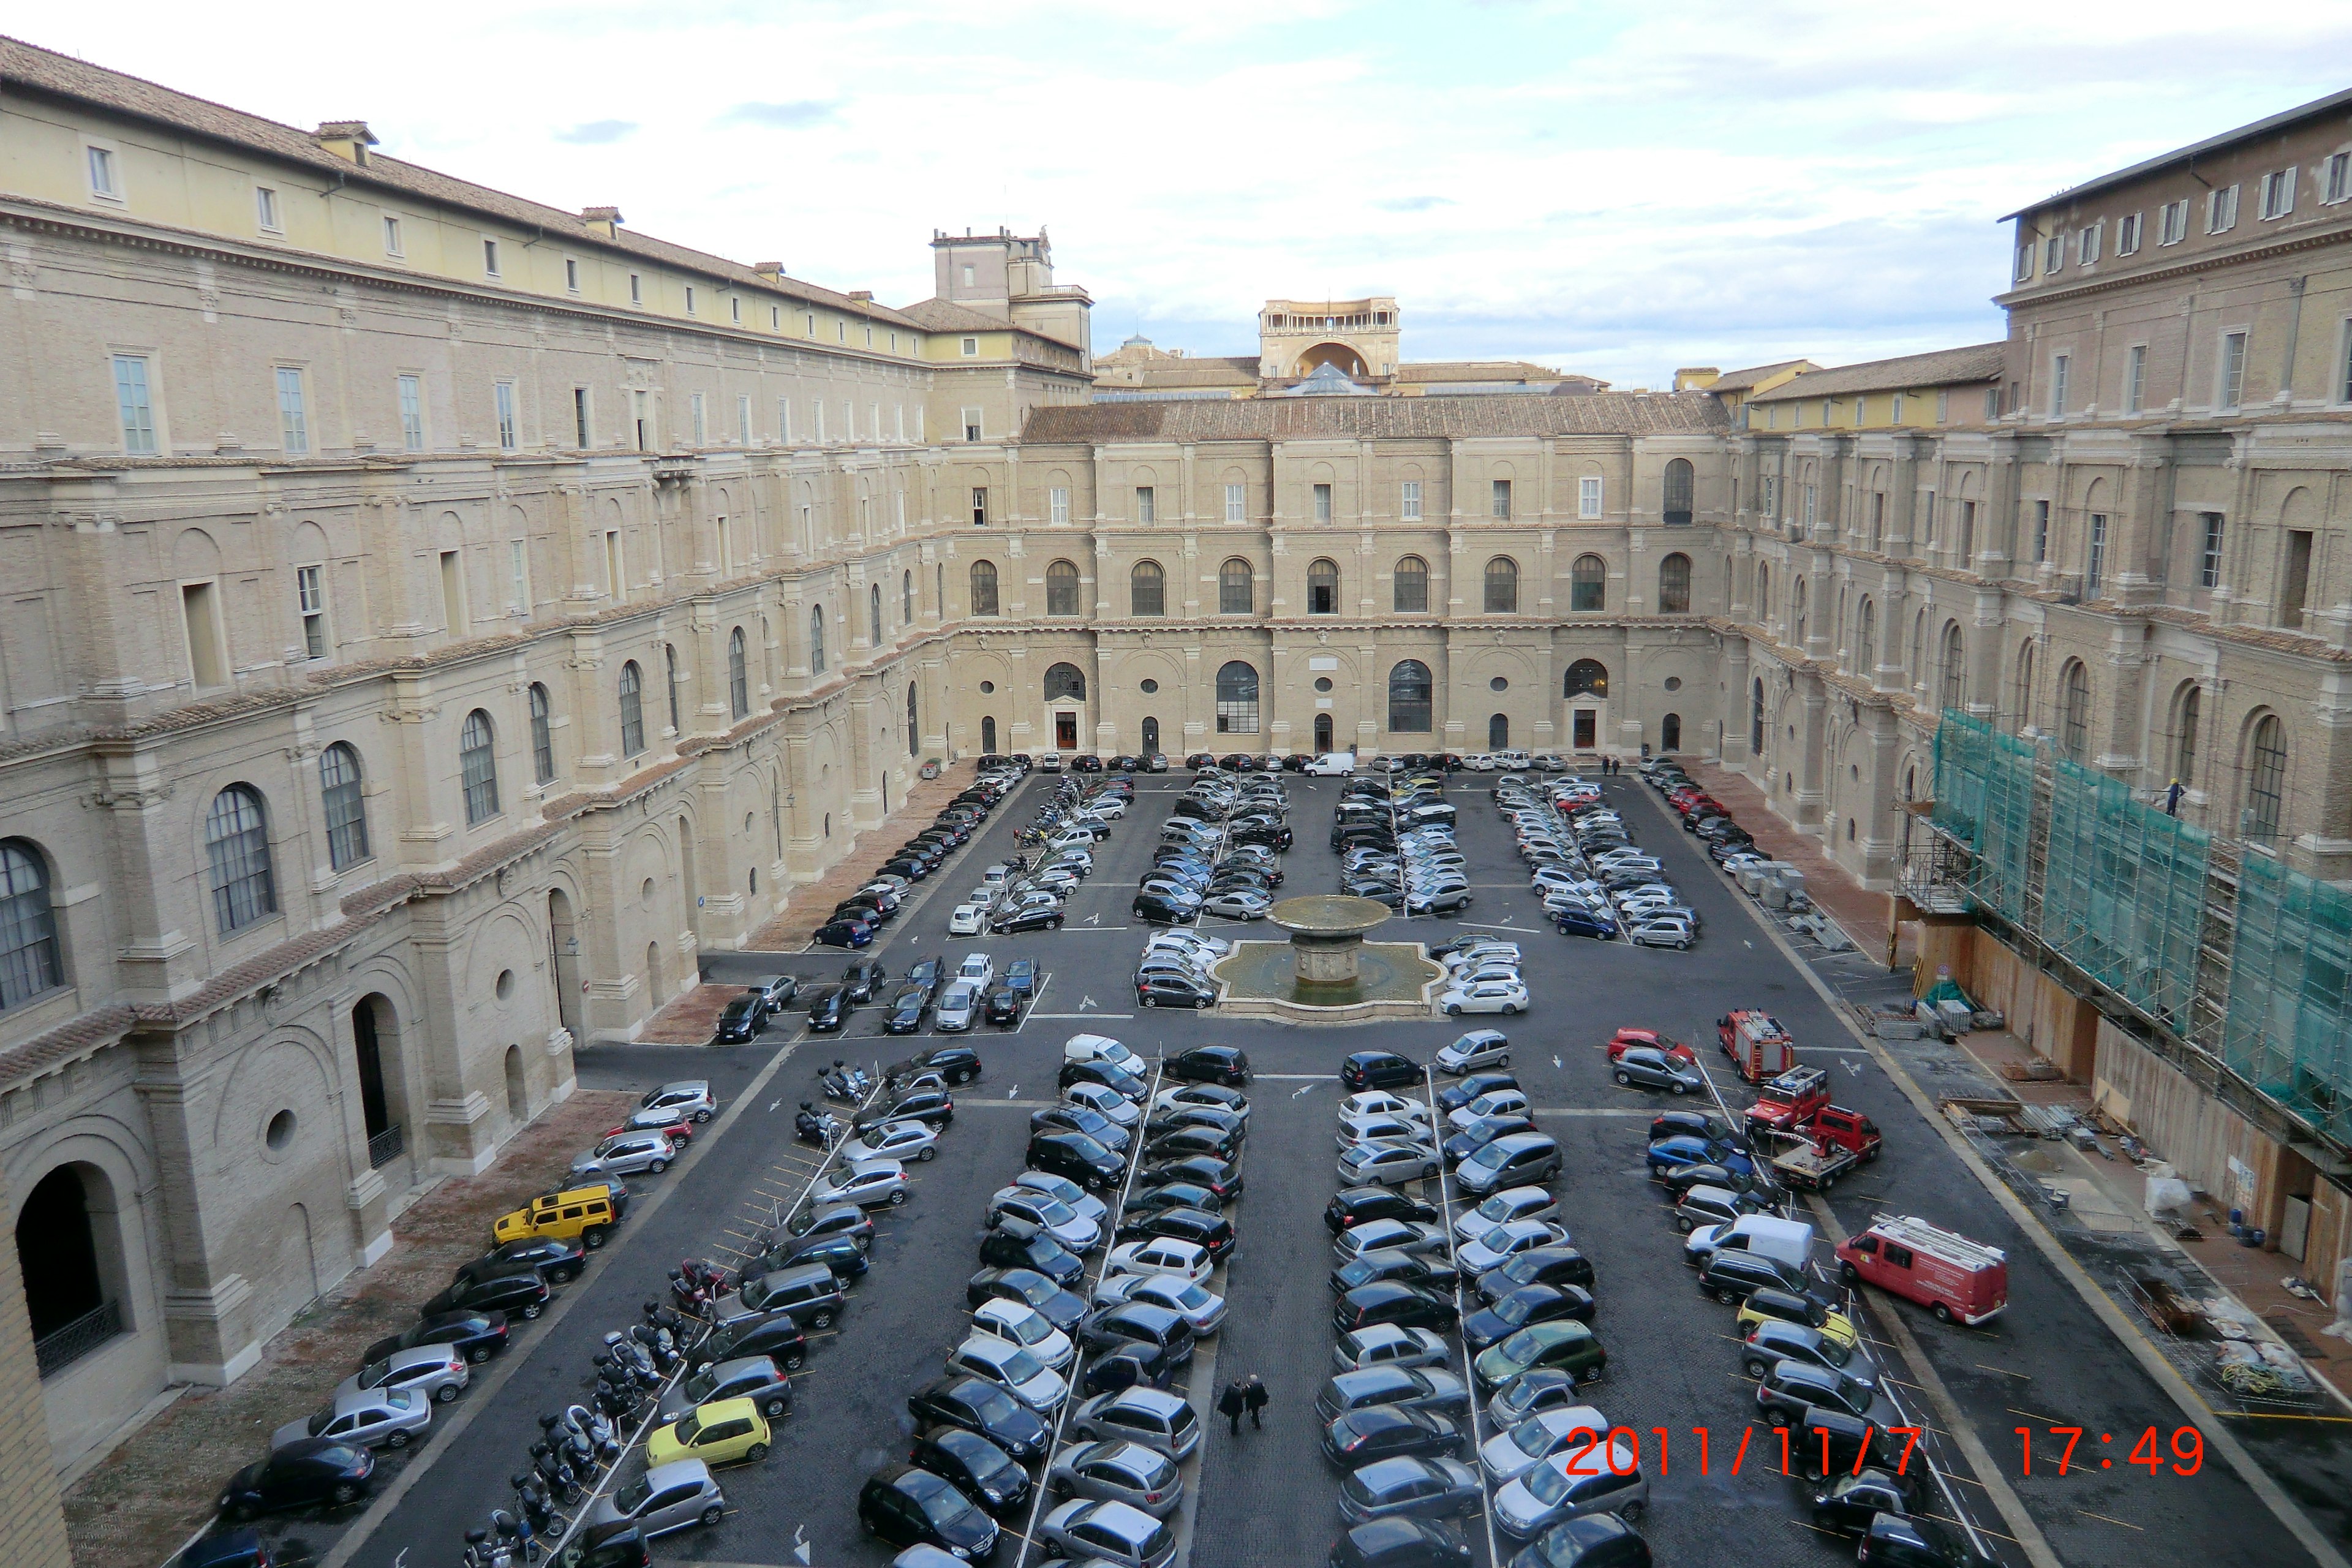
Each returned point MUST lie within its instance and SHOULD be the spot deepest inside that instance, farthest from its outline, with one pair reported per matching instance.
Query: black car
(863, 981)
(844, 1253)
(933, 1107)
(1184, 1142)
(1351, 1206)
(303, 1474)
(1143, 1322)
(1391, 1302)
(1480, 1133)
(1017, 1243)
(1851, 1501)
(1681, 1179)
(1068, 1116)
(1695, 1124)
(1730, 1274)
(1149, 1200)
(1393, 1263)
(984, 1408)
(1537, 1266)
(907, 1007)
(778, 1337)
(476, 1336)
(744, 1017)
(1463, 1090)
(1043, 918)
(1397, 1542)
(981, 1470)
(1222, 1177)
(1124, 1366)
(909, 1507)
(1528, 1304)
(756, 1378)
(1380, 1069)
(928, 973)
(1388, 1432)
(1164, 911)
(1003, 1007)
(1213, 1232)
(1227, 1065)
(1029, 1288)
(843, 933)
(559, 1261)
(1117, 1080)
(1897, 1542)
(828, 1007)
(1217, 1118)
(1076, 1157)
(957, 1064)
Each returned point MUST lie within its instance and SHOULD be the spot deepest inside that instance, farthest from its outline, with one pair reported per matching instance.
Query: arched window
(2074, 716)
(816, 640)
(1061, 589)
(1670, 733)
(907, 597)
(2024, 697)
(983, 587)
(1066, 681)
(1499, 732)
(1756, 718)
(1146, 589)
(478, 768)
(1674, 581)
(1323, 587)
(873, 614)
(632, 709)
(1411, 597)
(1236, 700)
(1763, 592)
(236, 844)
(1585, 678)
(1677, 506)
(1236, 588)
(1588, 584)
(2189, 716)
(1955, 668)
(988, 734)
(2266, 779)
(1502, 587)
(1865, 640)
(738, 675)
(1798, 596)
(542, 738)
(669, 673)
(914, 729)
(339, 793)
(1410, 688)
(28, 926)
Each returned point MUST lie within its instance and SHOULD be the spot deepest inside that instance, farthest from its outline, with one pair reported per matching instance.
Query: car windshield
(1549, 1484)
(1514, 1308)
(1193, 1296)
(1036, 1289)
(991, 1403)
(698, 1387)
(688, 1428)
(319, 1421)
(1533, 1438)
(631, 1497)
(1053, 1211)
(375, 1371)
(1029, 1329)
(944, 1505)
(1525, 1345)
(1501, 1240)
(1020, 1366)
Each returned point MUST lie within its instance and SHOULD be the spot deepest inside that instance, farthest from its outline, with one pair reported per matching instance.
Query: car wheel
(397, 1440)
(1681, 1089)
(1203, 1001)
(592, 1237)
(1756, 1368)
(1624, 1079)
(445, 1393)
(1849, 1276)
(959, 1078)
(776, 1409)
(658, 1167)
(713, 1514)
(1630, 1513)
(898, 1197)
(1943, 1313)
(1511, 1009)
(1147, 1002)
(792, 1361)
(478, 1355)
(566, 1274)
(532, 1310)
(1053, 924)
(1724, 1296)
(820, 1319)
(1503, 1060)
(756, 1452)
(702, 1116)
(343, 1493)
(1683, 1224)
(1454, 1010)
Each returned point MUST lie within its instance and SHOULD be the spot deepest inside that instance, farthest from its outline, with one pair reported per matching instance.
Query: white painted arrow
(1303, 1088)
(1555, 1058)
(1088, 1002)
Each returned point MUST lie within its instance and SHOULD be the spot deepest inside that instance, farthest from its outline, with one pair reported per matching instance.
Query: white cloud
(1617, 188)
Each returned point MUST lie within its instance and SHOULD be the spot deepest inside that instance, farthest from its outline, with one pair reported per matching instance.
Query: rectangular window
(2094, 565)
(1895, 416)
(785, 420)
(2025, 270)
(1927, 517)
(743, 420)
(735, 309)
(2209, 557)
(1968, 530)
(775, 318)
(970, 347)
(971, 424)
(2344, 367)
(1409, 506)
(311, 594)
(1587, 496)
(1943, 405)
(2058, 367)
(2041, 532)
(1322, 503)
(200, 616)
(2087, 245)
(2172, 222)
(1146, 508)
(1500, 504)
(1057, 506)
(135, 404)
(1764, 497)
(411, 413)
(812, 324)
(637, 288)
(1235, 499)
(2221, 210)
(580, 418)
(614, 582)
(2127, 233)
(101, 176)
(392, 236)
(293, 416)
(2233, 370)
(816, 408)
(453, 593)
(2135, 377)
(2295, 589)
(1812, 504)
(518, 577)
(2053, 254)
(264, 209)
(694, 411)
(504, 392)
(2278, 194)
(980, 506)
(2339, 178)
(689, 299)
(1992, 403)
(571, 274)
(490, 258)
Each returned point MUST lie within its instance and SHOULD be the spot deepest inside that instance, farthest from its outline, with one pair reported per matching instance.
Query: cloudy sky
(1614, 188)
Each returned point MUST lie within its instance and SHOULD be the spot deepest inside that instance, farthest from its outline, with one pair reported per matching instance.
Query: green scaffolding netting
(1984, 797)
(2123, 892)
(2288, 1030)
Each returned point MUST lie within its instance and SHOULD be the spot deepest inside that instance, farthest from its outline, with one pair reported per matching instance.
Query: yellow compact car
(723, 1432)
(1791, 1307)
(587, 1212)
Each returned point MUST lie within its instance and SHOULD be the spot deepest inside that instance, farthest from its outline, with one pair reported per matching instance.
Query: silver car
(1506, 1241)
(665, 1498)
(1151, 1416)
(1385, 1344)
(1381, 1127)
(689, 1098)
(371, 1417)
(957, 1006)
(1390, 1163)
(868, 1183)
(1120, 1471)
(436, 1372)
(1515, 1204)
(1085, 1203)
(1196, 1304)
(1108, 1533)
(626, 1154)
(1048, 1213)
(1410, 1236)
(900, 1140)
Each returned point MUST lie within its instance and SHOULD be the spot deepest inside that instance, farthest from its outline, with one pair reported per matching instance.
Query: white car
(1103, 1048)
(868, 1183)
(1480, 762)
(1498, 969)
(1109, 808)
(1381, 1102)
(1507, 1456)
(979, 969)
(1161, 1254)
(1241, 904)
(1188, 1094)
(899, 1141)
(1196, 1304)
(1215, 945)
(1510, 1204)
(1507, 996)
(1013, 1368)
(1019, 1323)
(1494, 1102)
(968, 920)
(1481, 953)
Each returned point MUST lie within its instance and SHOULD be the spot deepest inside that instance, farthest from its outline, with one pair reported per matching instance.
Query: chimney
(347, 139)
(605, 221)
(864, 296)
(769, 269)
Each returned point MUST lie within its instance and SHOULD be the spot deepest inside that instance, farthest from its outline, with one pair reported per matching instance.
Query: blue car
(1576, 922)
(1673, 1153)
(844, 933)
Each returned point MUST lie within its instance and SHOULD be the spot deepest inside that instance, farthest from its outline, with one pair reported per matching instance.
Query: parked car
(907, 1505)
(306, 1474)
(365, 1418)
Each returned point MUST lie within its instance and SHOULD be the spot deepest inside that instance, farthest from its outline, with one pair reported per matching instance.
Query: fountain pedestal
(1326, 972)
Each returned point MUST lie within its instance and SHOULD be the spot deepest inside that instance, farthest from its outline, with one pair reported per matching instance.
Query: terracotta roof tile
(1372, 418)
(1741, 380)
(1944, 367)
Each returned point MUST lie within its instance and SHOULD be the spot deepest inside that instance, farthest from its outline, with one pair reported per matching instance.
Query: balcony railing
(386, 1147)
(60, 1348)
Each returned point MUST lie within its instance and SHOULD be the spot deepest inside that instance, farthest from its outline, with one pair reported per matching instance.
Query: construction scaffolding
(2288, 1027)
(1984, 798)
(2124, 892)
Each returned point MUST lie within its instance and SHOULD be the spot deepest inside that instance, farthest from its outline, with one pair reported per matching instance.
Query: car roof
(1141, 1396)
(679, 1472)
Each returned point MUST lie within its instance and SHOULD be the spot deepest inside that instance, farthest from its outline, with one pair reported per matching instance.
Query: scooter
(695, 1283)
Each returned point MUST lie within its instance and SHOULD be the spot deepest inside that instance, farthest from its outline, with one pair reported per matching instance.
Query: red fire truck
(1756, 1044)
(1789, 1101)
(1954, 1277)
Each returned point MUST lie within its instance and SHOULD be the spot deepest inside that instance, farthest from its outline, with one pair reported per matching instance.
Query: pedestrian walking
(1255, 1398)
(1230, 1403)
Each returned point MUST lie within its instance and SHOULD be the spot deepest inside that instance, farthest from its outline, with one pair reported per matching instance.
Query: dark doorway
(374, 1110)
(1670, 733)
(1498, 734)
(563, 945)
(1322, 733)
(1587, 727)
(58, 1253)
(1151, 736)
(988, 734)
(1066, 731)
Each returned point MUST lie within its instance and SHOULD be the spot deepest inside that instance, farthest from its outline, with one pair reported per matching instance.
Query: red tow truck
(1757, 1044)
(1810, 1141)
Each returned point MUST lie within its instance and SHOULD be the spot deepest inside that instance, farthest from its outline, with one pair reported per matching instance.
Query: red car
(1675, 1049)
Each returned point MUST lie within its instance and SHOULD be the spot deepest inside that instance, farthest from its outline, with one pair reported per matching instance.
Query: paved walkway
(1861, 913)
(792, 930)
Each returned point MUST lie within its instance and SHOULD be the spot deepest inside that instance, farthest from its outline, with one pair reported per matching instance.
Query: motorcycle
(697, 1282)
(537, 1509)
(813, 1127)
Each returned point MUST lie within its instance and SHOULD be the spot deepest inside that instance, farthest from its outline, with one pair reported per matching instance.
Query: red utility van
(1952, 1277)
(1756, 1044)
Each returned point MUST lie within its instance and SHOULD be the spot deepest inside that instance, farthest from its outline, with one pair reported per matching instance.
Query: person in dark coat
(1230, 1404)
(1255, 1398)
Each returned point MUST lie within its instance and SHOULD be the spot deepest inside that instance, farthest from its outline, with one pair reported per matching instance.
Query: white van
(1787, 1241)
(1340, 763)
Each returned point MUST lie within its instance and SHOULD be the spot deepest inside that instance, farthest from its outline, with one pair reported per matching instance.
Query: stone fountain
(1326, 971)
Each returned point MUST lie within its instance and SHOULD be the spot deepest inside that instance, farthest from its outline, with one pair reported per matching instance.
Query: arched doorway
(1585, 690)
(375, 1050)
(988, 734)
(1323, 738)
(1499, 732)
(1151, 736)
(517, 1091)
(657, 976)
(1349, 363)
(297, 1264)
(1670, 733)
(1066, 696)
(71, 1268)
(563, 947)
(685, 868)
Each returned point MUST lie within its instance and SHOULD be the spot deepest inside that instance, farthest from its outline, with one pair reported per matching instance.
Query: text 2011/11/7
(2187, 1456)
(1590, 1455)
